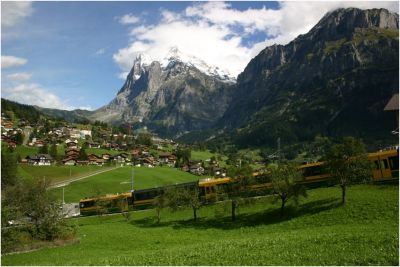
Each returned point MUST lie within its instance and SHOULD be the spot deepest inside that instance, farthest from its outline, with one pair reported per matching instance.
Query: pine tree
(53, 151)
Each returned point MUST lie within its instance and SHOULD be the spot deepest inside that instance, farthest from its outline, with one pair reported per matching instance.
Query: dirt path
(67, 182)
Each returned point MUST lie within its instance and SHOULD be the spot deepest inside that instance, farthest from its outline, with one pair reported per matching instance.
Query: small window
(376, 165)
(382, 165)
(394, 163)
(385, 162)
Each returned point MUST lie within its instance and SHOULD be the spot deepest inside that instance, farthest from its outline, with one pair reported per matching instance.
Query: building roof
(38, 156)
(393, 104)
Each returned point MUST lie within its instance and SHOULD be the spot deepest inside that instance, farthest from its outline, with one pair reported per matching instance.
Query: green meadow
(319, 231)
(119, 181)
(56, 173)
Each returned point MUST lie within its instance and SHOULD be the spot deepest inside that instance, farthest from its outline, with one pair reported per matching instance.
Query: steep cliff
(178, 94)
(334, 80)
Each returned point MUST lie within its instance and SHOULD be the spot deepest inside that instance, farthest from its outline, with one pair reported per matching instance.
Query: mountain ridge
(317, 83)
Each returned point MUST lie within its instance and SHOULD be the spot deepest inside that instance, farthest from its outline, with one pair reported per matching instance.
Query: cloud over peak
(223, 36)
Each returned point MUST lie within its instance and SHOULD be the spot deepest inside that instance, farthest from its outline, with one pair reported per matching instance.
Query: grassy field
(205, 154)
(119, 180)
(320, 231)
(56, 173)
(201, 154)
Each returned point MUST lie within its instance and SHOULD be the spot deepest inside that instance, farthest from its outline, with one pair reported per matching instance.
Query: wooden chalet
(39, 160)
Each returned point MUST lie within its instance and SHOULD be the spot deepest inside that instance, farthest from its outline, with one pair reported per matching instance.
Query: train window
(385, 163)
(311, 171)
(382, 165)
(86, 204)
(202, 191)
(394, 163)
(376, 165)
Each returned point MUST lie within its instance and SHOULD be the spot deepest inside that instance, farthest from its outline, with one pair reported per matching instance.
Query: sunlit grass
(320, 231)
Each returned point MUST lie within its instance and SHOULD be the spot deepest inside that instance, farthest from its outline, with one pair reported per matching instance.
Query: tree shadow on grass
(268, 217)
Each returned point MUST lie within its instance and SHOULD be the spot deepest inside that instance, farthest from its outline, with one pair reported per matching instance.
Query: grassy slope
(319, 232)
(206, 154)
(56, 173)
(118, 181)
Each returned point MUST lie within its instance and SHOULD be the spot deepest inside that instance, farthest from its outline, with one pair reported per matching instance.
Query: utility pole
(132, 174)
(279, 149)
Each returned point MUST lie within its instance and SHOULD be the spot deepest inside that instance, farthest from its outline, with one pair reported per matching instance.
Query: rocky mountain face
(335, 80)
(178, 94)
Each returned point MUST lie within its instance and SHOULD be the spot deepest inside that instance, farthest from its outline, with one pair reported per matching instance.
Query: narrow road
(27, 133)
(67, 182)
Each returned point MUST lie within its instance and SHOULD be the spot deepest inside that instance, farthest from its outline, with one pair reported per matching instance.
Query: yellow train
(385, 168)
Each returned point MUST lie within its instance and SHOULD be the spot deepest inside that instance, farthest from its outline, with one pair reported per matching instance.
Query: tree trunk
(195, 214)
(283, 206)
(233, 210)
(343, 194)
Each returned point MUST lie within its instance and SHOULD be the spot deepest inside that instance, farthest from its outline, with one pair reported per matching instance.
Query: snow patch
(175, 55)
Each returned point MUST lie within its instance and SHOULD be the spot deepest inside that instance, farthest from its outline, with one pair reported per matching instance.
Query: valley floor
(320, 231)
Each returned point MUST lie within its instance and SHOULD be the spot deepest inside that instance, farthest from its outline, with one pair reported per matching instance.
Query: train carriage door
(394, 166)
(376, 171)
(386, 173)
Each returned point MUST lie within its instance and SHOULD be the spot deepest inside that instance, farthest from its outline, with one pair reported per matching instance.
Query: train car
(385, 168)
(105, 204)
(143, 199)
(385, 165)
(315, 175)
(210, 186)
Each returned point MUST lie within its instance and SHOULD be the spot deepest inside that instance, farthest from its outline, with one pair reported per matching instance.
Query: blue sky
(76, 54)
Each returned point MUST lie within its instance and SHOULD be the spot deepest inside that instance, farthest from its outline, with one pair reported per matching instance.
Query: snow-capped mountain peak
(143, 60)
(176, 55)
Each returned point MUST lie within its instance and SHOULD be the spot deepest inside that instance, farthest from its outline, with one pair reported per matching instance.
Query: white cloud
(11, 61)
(140, 29)
(85, 108)
(12, 12)
(34, 94)
(217, 33)
(19, 76)
(100, 52)
(129, 19)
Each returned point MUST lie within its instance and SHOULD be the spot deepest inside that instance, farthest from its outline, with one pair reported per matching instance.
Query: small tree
(19, 138)
(82, 154)
(183, 156)
(31, 198)
(237, 191)
(348, 164)
(180, 198)
(44, 149)
(53, 151)
(8, 169)
(284, 178)
(160, 202)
